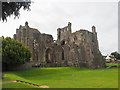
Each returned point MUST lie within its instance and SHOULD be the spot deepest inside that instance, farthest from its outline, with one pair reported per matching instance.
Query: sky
(48, 15)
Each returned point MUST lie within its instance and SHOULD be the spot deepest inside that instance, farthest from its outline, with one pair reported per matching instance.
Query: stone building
(79, 49)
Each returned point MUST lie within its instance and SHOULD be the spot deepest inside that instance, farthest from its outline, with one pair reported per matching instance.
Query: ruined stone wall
(35, 41)
(84, 49)
(78, 49)
(59, 57)
(47, 39)
(29, 37)
(63, 34)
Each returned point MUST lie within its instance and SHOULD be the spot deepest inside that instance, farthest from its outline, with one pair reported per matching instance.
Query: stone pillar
(69, 27)
(95, 36)
(26, 24)
(58, 33)
(94, 29)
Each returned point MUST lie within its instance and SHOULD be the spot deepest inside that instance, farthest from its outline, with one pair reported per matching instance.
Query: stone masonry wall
(79, 49)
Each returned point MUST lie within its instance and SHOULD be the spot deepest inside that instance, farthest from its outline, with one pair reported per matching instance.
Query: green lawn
(63, 77)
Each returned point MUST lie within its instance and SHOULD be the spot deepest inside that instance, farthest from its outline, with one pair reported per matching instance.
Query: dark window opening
(63, 42)
(75, 38)
(62, 55)
(92, 52)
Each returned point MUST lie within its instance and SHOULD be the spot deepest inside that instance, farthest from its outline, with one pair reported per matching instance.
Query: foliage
(13, 52)
(65, 77)
(1, 47)
(13, 8)
(116, 55)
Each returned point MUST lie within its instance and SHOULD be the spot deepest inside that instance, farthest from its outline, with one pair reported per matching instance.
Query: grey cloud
(47, 17)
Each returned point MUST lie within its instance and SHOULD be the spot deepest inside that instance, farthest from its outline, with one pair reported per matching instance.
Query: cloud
(48, 15)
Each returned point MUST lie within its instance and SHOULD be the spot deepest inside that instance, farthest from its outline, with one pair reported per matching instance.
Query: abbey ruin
(79, 49)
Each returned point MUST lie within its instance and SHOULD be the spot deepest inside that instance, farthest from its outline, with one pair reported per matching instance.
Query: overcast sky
(49, 15)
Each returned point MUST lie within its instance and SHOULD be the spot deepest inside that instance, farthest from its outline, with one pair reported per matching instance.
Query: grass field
(63, 77)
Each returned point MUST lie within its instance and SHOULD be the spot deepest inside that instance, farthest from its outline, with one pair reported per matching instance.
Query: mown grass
(64, 77)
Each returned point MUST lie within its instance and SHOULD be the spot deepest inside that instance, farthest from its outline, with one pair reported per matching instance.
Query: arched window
(48, 55)
(62, 54)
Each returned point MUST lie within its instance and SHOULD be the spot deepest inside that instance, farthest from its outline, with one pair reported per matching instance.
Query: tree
(1, 57)
(14, 53)
(13, 8)
(116, 55)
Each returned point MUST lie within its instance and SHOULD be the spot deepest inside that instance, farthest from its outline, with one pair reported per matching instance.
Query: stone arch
(66, 53)
(59, 55)
(48, 55)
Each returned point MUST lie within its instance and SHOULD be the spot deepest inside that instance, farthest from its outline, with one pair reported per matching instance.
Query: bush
(14, 53)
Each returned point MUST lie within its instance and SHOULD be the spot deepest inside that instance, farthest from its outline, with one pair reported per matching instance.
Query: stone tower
(35, 41)
(63, 34)
(83, 47)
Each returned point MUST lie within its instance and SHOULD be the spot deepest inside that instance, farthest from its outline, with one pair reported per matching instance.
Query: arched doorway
(48, 55)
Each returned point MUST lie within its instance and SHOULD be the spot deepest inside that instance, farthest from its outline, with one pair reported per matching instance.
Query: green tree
(13, 8)
(116, 55)
(14, 53)
(1, 74)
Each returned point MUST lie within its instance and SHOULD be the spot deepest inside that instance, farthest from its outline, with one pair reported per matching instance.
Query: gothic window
(48, 55)
(62, 54)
